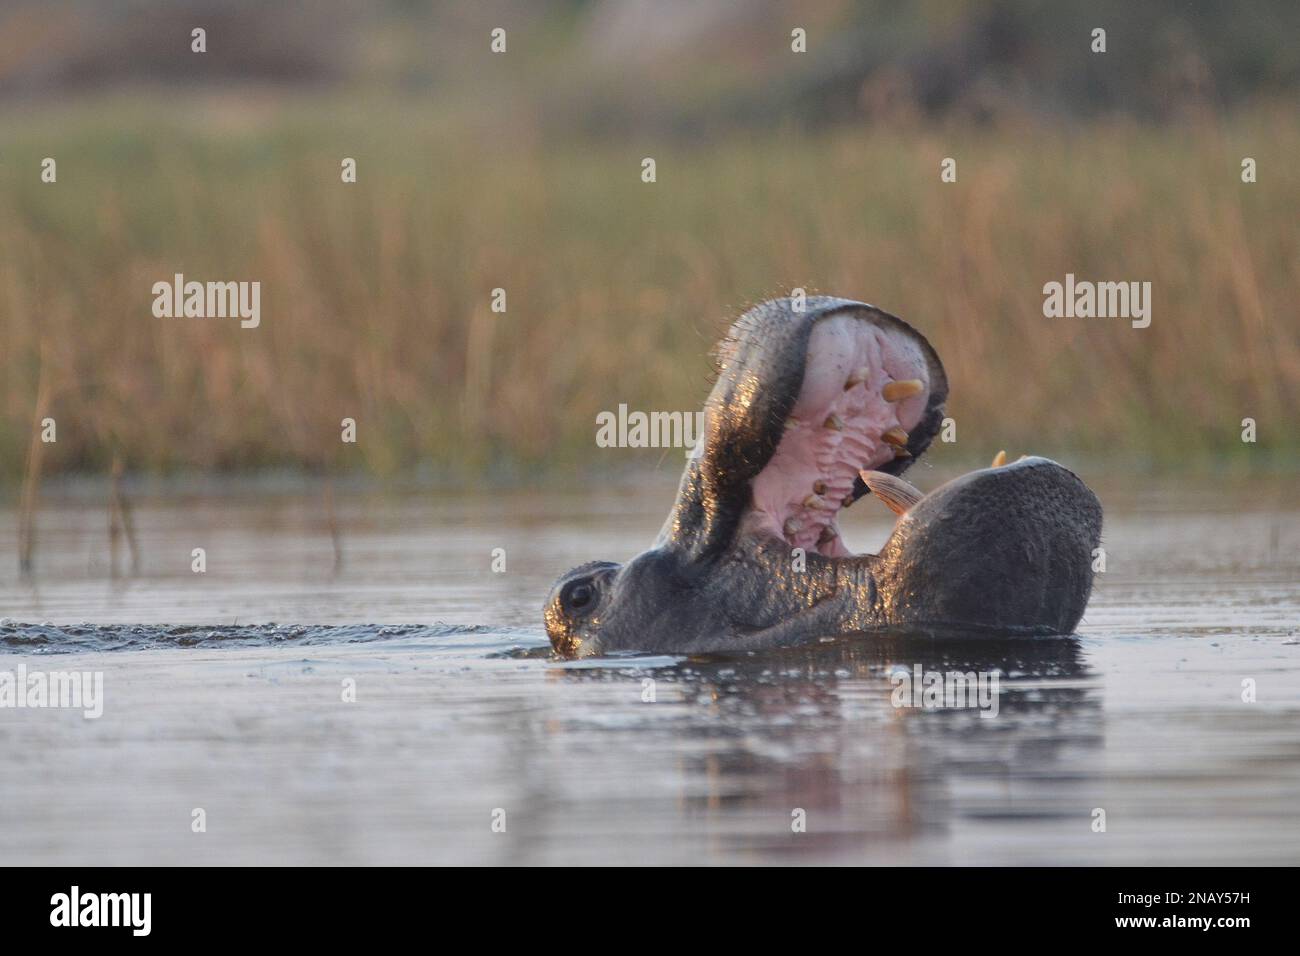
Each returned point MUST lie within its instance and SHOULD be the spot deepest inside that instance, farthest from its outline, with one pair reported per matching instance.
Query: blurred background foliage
(775, 170)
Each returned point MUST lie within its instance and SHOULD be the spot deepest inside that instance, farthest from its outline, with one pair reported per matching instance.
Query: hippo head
(813, 409)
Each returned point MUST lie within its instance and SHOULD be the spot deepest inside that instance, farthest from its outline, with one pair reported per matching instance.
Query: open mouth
(869, 401)
(812, 410)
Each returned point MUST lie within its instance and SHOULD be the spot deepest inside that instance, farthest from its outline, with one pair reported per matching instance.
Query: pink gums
(813, 453)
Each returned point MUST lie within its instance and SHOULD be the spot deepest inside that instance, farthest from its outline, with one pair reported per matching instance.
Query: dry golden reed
(375, 295)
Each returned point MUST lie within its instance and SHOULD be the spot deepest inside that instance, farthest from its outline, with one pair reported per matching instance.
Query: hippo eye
(578, 596)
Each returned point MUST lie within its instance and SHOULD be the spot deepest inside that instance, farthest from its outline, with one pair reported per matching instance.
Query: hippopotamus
(817, 404)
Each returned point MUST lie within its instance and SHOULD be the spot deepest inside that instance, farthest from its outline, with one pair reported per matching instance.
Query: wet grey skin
(1005, 550)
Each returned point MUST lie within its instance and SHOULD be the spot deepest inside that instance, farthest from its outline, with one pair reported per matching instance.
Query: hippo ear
(803, 402)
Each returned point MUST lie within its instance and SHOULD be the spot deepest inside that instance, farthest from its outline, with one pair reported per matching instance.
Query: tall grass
(375, 296)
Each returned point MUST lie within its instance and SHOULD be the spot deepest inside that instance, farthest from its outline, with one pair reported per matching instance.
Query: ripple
(47, 638)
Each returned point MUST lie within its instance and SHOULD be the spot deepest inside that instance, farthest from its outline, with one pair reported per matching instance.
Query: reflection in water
(460, 707)
(816, 729)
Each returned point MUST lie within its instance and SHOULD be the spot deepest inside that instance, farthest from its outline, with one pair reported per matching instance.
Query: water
(460, 711)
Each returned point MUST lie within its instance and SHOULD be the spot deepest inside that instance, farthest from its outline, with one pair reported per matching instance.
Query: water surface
(223, 691)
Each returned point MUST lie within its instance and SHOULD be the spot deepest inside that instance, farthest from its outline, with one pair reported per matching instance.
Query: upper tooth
(906, 388)
(896, 436)
(813, 501)
(835, 422)
(858, 376)
(792, 527)
(819, 487)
